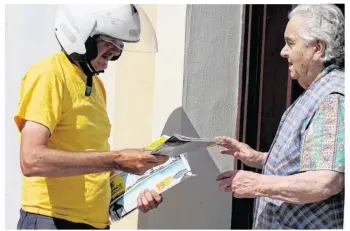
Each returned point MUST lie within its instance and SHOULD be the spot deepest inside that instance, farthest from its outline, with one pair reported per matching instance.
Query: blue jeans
(36, 221)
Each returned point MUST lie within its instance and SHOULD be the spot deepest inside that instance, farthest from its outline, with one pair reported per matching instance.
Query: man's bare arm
(37, 159)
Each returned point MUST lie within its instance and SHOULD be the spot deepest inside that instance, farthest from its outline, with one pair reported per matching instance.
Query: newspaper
(178, 144)
(126, 187)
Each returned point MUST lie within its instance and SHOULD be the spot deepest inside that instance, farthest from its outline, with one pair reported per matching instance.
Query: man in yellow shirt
(64, 154)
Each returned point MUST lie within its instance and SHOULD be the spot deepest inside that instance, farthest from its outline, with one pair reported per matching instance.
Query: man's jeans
(37, 221)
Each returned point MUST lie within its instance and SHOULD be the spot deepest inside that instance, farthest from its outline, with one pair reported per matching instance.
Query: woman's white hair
(325, 23)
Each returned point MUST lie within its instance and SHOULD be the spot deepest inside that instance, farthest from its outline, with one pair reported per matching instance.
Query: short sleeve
(40, 99)
(323, 146)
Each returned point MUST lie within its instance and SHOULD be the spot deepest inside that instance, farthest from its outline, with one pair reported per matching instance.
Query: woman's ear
(319, 48)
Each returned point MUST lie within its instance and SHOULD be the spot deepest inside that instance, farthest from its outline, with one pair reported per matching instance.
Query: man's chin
(104, 67)
(101, 67)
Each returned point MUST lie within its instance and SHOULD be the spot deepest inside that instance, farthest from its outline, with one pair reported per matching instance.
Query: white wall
(169, 67)
(29, 37)
(169, 64)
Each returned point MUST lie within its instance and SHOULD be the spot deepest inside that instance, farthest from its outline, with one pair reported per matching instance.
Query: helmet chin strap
(89, 71)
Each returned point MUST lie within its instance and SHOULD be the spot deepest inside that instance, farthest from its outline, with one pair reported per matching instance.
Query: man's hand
(138, 160)
(148, 199)
(242, 184)
(241, 151)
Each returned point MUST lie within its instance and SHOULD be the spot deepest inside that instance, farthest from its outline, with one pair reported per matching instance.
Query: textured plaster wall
(209, 108)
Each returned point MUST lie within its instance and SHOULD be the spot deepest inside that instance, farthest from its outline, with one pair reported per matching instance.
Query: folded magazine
(126, 187)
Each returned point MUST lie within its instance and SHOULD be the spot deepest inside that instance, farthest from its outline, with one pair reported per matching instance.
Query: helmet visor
(116, 42)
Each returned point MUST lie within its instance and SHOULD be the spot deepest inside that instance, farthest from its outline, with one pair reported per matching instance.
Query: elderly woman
(302, 180)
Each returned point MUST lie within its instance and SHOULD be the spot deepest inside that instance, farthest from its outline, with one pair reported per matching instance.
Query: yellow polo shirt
(52, 93)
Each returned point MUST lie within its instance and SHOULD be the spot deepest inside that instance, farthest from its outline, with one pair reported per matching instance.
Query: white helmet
(78, 26)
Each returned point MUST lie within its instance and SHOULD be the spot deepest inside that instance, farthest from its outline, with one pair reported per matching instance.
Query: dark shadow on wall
(186, 204)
